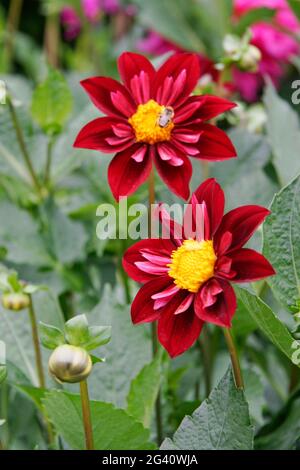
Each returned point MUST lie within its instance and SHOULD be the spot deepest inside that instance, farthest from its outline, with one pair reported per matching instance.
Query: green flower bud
(15, 301)
(70, 364)
(250, 59)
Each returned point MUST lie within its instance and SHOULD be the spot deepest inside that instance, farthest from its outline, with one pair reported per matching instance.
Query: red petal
(106, 93)
(134, 254)
(214, 144)
(188, 109)
(177, 178)
(212, 106)
(222, 310)
(99, 135)
(212, 194)
(137, 73)
(177, 333)
(241, 223)
(250, 266)
(170, 228)
(125, 174)
(142, 310)
(173, 68)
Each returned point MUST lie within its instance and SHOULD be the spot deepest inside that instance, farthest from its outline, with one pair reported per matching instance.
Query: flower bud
(70, 364)
(15, 301)
(250, 59)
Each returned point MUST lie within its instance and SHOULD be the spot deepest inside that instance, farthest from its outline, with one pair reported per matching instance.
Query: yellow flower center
(152, 123)
(192, 264)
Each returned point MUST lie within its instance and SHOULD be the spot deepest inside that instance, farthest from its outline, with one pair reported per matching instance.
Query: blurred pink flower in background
(275, 42)
(71, 22)
(93, 8)
(274, 39)
(155, 44)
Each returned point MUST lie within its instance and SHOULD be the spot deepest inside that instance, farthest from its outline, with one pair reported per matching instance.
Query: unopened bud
(70, 364)
(250, 59)
(15, 301)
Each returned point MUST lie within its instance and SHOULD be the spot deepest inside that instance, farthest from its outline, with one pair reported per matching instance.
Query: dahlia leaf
(270, 324)
(143, 392)
(50, 336)
(52, 103)
(254, 16)
(282, 244)
(113, 428)
(126, 354)
(170, 20)
(285, 140)
(221, 422)
(16, 331)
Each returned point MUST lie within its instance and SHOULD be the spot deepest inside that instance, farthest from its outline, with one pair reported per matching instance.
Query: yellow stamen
(145, 123)
(192, 264)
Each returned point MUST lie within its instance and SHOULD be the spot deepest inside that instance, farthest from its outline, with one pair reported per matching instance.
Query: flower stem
(13, 20)
(22, 145)
(39, 367)
(151, 201)
(123, 275)
(48, 161)
(36, 345)
(205, 347)
(52, 39)
(86, 415)
(238, 378)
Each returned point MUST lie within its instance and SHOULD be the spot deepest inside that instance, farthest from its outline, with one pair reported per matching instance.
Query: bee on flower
(152, 118)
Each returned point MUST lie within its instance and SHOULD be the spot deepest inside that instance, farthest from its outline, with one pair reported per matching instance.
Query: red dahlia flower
(187, 281)
(153, 119)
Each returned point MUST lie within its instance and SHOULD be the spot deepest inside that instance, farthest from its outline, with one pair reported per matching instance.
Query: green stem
(36, 345)
(48, 161)
(204, 342)
(13, 20)
(39, 366)
(22, 145)
(151, 201)
(86, 415)
(51, 39)
(125, 282)
(234, 359)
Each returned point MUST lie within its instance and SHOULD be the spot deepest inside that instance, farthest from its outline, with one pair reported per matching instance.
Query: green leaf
(282, 244)
(284, 140)
(3, 368)
(143, 392)
(295, 6)
(243, 178)
(254, 16)
(35, 394)
(269, 324)
(66, 238)
(17, 333)
(254, 391)
(24, 245)
(169, 18)
(96, 360)
(221, 422)
(285, 429)
(242, 323)
(113, 428)
(126, 354)
(98, 336)
(77, 330)
(50, 336)
(52, 103)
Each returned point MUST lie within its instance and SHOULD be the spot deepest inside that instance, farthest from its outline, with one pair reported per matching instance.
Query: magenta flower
(275, 42)
(71, 23)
